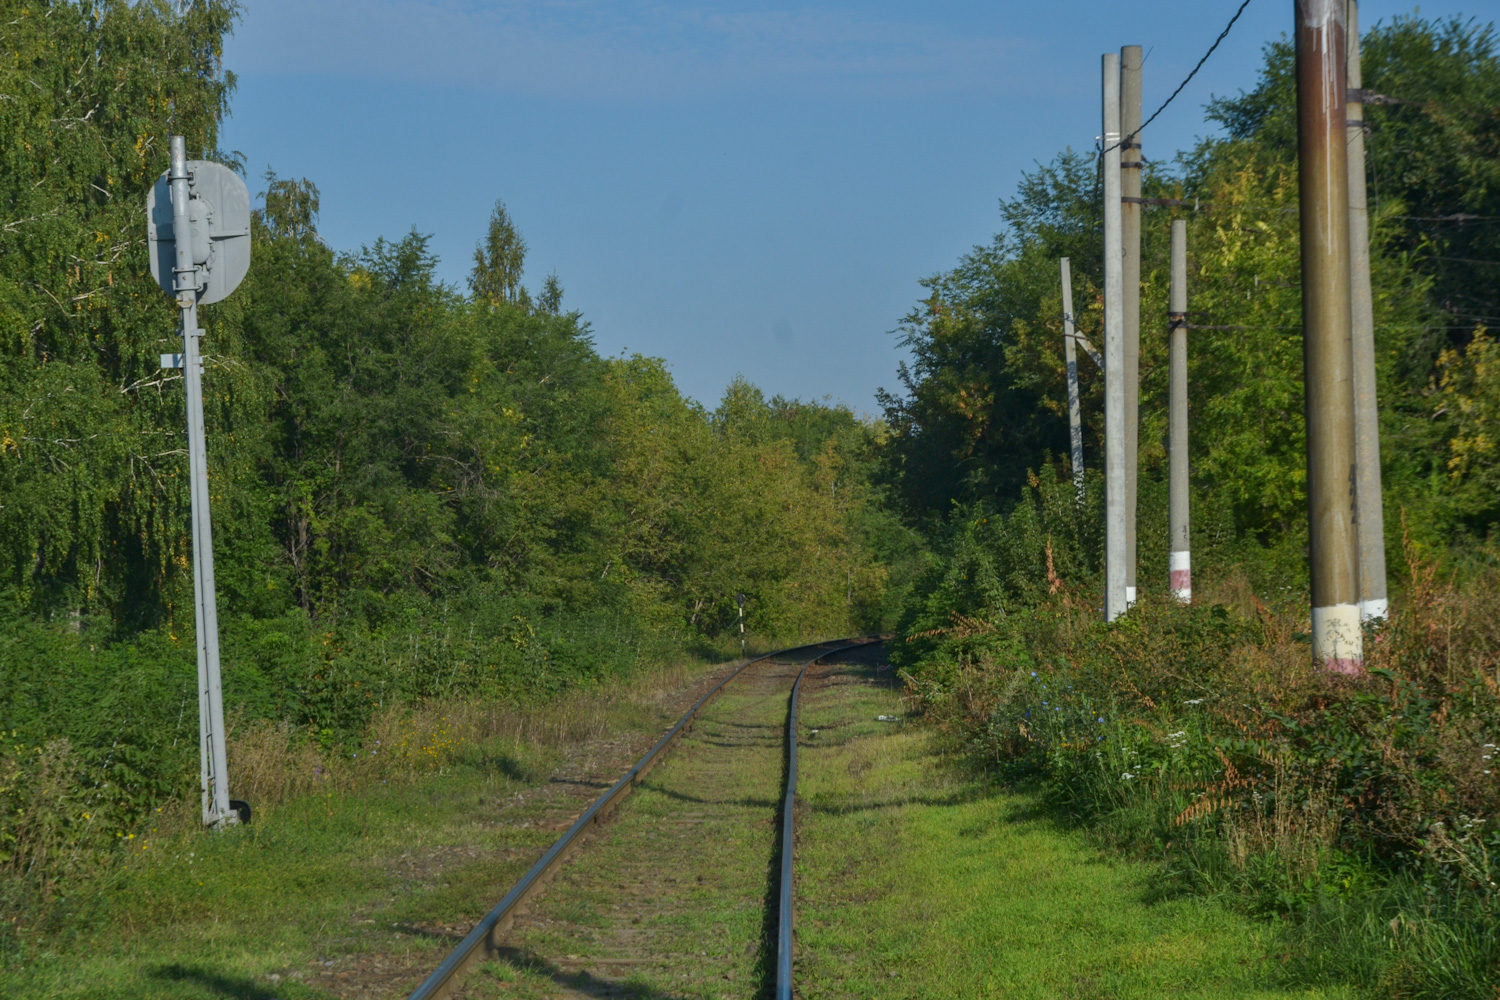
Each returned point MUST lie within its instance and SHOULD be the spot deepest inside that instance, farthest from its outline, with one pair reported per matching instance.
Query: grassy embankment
(356, 873)
(918, 878)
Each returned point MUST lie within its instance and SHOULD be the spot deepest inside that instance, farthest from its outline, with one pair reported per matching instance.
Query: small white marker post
(740, 600)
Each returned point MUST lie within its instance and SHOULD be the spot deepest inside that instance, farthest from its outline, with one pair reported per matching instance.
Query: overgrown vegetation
(419, 492)
(435, 504)
(442, 808)
(1358, 813)
(964, 890)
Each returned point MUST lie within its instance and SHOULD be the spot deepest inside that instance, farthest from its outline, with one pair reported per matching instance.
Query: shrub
(1362, 811)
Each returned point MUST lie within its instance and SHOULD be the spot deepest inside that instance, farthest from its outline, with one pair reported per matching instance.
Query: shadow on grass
(581, 783)
(731, 724)
(431, 933)
(216, 984)
(935, 801)
(581, 982)
(867, 663)
(736, 744)
(840, 739)
(702, 800)
(504, 763)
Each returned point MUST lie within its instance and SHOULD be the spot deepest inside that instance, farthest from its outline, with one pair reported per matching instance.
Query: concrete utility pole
(1369, 506)
(1070, 353)
(1181, 564)
(1115, 562)
(1323, 186)
(1130, 271)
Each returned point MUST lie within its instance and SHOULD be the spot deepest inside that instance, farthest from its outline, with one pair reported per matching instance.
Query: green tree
(93, 518)
(984, 396)
(290, 206)
(499, 260)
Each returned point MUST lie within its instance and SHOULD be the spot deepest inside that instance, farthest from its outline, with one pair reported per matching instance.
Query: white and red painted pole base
(1338, 639)
(1182, 576)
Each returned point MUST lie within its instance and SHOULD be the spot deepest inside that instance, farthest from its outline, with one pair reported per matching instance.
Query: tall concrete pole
(1130, 270)
(1181, 562)
(1323, 187)
(1070, 354)
(1115, 564)
(1368, 502)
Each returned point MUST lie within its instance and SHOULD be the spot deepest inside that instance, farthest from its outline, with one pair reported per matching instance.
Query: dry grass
(43, 803)
(272, 762)
(1231, 588)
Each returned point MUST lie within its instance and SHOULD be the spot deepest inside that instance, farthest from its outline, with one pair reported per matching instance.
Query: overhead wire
(1125, 140)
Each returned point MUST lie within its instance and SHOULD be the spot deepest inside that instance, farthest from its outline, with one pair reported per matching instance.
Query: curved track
(486, 939)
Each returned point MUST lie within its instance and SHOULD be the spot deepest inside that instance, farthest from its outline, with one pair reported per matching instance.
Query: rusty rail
(485, 939)
(788, 817)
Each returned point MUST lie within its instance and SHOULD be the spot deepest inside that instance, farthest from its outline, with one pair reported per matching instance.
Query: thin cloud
(587, 49)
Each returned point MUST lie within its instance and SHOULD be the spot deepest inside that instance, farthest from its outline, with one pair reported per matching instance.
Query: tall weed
(1359, 813)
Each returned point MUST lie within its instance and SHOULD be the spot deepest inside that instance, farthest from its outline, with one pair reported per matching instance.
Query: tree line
(982, 403)
(1357, 814)
(417, 489)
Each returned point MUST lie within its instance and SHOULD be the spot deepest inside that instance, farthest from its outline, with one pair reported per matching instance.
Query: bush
(1360, 811)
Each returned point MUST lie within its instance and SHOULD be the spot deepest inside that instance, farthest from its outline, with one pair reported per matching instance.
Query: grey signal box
(219, 220)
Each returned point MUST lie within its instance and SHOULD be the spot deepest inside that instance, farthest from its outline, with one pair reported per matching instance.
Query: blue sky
(750, 188)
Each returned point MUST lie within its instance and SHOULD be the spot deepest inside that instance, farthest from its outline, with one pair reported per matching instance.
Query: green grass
(916, 879)
(670, 900)
(321, 880)
(358, 893)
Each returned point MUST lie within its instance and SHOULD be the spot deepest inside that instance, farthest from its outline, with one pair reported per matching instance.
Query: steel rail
(788, 815)
(484, 939)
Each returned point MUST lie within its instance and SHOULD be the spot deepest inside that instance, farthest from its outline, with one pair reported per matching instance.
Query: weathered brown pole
(1130, 276)
(1369, 506)
(1180, 566)
(1323, 186)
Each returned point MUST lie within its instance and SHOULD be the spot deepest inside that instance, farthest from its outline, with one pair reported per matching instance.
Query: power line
(1467, 260)
(1187, 79)
(1460, 218)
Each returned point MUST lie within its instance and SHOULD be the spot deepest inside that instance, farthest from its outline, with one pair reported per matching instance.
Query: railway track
(761, 721)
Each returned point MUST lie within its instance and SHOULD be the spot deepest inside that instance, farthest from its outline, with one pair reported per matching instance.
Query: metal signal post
(199, 227)
(214, 758)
